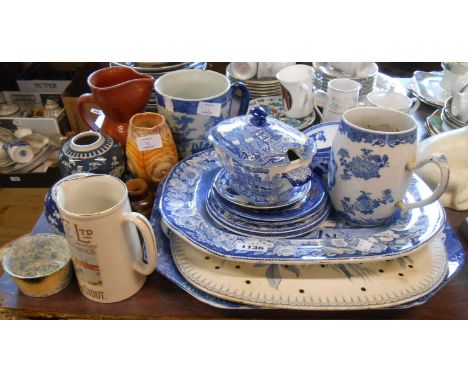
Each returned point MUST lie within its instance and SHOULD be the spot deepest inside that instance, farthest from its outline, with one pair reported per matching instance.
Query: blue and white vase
(92, 152)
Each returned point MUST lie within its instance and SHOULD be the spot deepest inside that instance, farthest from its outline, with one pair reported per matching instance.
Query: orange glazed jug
(121, 93)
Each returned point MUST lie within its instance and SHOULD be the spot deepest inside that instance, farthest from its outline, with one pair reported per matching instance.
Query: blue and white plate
(222, 185)
(323, 134)
(274, 107)
(234, 223)
(311, 203)
(167, 267)
(183, 208)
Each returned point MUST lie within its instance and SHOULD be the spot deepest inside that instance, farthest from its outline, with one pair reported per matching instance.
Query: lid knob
(259, 117)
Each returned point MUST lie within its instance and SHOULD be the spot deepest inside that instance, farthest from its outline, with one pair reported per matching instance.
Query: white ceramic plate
(315, 287)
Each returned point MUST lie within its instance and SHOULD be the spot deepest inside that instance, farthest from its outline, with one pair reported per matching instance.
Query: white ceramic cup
(452, 72)
(243, 70)
(22, 132)
(460, 106)
(296, 87)
(342, 94)
(271, 69)
(101, 230)
(393, 100)
(20, 151)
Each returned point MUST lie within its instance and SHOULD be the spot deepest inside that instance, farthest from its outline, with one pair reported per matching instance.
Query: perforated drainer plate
(315, 287)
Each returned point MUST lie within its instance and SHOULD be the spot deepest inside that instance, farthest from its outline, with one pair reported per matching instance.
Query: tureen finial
(259, 116)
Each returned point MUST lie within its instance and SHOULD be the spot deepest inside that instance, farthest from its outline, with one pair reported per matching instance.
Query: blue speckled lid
(259, 140)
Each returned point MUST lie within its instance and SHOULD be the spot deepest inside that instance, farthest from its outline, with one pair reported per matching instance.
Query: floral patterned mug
(373, 158)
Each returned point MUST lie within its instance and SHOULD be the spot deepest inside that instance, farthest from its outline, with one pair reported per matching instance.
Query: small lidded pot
(40, 265)
(263, 157)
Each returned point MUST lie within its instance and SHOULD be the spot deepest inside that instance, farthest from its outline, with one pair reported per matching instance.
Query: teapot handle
(82, 100)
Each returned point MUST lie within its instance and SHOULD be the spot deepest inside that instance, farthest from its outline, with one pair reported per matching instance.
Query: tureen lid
(259, 140)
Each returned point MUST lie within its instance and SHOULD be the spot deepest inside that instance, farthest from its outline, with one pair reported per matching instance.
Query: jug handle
(82, 100)
(146, 231)
(245, 97)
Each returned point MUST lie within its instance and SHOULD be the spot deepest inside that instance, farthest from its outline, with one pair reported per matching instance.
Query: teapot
(262, 156)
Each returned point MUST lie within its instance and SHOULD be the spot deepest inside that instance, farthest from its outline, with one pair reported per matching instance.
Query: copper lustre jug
(120, 93)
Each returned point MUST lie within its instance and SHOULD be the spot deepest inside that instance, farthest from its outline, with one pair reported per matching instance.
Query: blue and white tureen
(263, 157)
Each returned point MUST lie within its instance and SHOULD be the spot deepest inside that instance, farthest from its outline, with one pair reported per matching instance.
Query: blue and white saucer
(183, 209)
(250, 227)
(315, 199)
(222, 185)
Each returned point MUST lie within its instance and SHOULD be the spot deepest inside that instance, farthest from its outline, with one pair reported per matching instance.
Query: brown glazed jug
(151, 151)
(120, 93)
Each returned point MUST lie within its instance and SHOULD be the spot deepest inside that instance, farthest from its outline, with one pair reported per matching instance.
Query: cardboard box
(77, 87)
(31, 179)
(43, 77)
(44, 126)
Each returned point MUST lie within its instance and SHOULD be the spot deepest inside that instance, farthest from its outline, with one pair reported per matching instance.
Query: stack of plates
(157, 69)
(258, 87)
(443, 120)
(449, 119)
(325, 73)
(295, 217)
(336, 267)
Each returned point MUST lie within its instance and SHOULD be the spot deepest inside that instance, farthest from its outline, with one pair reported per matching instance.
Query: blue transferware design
(246, 227)
(224, 186)
(331, 181)
(365, 166)
(183, 208)
(93, 152)
(274, 108)
(312, 202)
(323, 135)
(190, 129)
(376, 139)
(51, 210)
(264, 157)
(365, 204)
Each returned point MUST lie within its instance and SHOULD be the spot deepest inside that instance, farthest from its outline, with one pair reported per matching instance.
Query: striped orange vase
(151, 151)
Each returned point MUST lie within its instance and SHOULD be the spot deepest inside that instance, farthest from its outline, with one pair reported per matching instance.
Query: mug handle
(82, 100)
(321, 93)
(150, 241)
(442, 163)
(245, 97)
(415, 103)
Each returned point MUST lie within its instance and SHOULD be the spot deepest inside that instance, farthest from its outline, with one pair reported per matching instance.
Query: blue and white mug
(193, 101)
(373, 157)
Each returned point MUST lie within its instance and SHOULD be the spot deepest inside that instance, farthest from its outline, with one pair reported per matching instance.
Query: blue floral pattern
(365, 166)
(365, 204)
